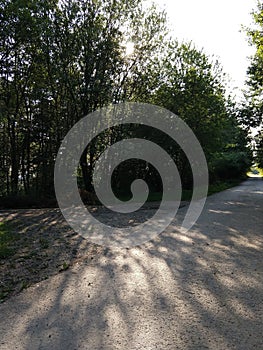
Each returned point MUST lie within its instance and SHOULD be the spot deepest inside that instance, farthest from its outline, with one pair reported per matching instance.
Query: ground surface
(200, 290)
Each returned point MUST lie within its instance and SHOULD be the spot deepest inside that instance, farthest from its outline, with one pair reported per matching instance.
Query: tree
(193, 88)
(61, 60)
(252, 112)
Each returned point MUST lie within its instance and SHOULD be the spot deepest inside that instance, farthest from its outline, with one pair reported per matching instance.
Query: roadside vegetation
(61, 60)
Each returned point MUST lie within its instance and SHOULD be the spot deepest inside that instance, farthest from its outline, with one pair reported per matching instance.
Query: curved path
(201, 290)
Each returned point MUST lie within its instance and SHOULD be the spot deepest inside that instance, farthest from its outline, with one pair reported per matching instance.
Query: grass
(7, 237)
(44, 243)
(24, 285)
(222, 186)
(187, 194)
(64, 267)
(4, 293)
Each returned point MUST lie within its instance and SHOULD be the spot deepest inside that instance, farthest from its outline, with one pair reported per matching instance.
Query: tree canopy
(60, 60)
(252, 113)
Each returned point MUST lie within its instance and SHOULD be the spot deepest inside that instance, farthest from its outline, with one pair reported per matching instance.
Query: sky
(215, 27)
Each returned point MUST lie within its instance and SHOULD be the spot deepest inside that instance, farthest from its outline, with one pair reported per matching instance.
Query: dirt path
(201, 290)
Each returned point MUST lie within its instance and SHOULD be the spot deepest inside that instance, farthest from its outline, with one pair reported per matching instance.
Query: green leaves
(193, 87)
(252, 109)
(60, 60)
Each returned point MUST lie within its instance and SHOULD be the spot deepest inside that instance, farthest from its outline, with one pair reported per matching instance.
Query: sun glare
(129, 48)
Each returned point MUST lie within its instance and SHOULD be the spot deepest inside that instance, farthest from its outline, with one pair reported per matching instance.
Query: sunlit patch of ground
(255, 172)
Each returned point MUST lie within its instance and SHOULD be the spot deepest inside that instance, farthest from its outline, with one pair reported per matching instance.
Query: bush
(22, 201)
(229, 165)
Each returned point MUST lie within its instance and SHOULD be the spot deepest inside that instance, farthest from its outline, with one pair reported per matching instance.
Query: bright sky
(215, 26)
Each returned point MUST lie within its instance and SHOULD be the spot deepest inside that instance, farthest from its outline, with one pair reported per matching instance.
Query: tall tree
(193, 88)
(252, 113)
(61, 60)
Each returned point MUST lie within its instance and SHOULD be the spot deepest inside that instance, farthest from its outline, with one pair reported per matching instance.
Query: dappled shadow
(198, 290)
(43, 244)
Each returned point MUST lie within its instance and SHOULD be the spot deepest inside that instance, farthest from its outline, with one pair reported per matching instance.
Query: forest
(61, 60)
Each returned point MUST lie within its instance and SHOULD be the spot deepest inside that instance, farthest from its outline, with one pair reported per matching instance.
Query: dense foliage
(252, 113)
(60, 60)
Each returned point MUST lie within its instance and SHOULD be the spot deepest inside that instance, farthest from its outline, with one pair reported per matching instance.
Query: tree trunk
(86, 171)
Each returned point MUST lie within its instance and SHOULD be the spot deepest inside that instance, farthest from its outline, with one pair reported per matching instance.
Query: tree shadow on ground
(198, 290)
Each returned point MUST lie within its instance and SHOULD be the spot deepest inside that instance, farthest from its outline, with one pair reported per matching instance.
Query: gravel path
(200, 290)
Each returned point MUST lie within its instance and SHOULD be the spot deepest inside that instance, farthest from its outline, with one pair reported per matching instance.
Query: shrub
(229, 165)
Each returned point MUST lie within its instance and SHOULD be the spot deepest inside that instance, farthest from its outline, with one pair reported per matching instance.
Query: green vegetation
(60, 61)
(187, 194)
(251, 113)
(6, 239)
(222, 186)
(24, 285)
(4, 293)
(44, 243)
(64, 267)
